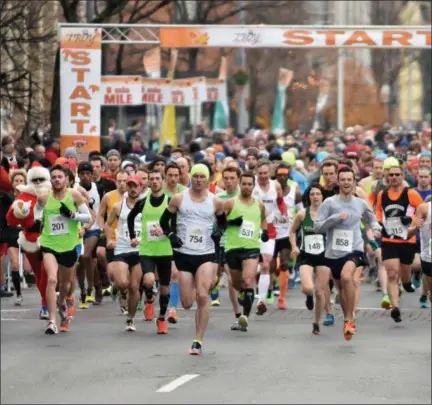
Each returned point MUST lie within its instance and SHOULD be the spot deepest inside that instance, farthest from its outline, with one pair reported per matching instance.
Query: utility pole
(242, 113)
(340, 20)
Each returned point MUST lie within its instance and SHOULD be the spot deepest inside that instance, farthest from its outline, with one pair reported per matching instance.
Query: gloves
(406, 221)
(65, 211)
(175, 240)
(216, 236)
(235, 222)
(265, 235)
(36, 227)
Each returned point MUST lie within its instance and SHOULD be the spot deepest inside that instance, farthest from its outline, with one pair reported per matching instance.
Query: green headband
(201, 169)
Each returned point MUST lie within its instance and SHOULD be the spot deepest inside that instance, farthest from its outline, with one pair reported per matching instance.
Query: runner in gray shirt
(340, 217)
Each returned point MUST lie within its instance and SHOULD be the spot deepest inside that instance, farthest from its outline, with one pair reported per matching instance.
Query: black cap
(85, 167)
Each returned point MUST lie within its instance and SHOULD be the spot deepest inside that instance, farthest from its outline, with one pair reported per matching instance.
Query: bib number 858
(342, 242)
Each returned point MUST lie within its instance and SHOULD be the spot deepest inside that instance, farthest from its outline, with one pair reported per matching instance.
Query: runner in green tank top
(172, 178)
(231, 178)
(64, 210)
(155, 248)
(245, 219)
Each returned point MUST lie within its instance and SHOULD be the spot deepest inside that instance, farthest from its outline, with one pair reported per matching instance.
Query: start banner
(121, 90)
(80, 80)
(216, 90)
(295, 37)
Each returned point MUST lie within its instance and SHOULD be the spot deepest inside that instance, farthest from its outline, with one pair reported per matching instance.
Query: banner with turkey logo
(80, 82)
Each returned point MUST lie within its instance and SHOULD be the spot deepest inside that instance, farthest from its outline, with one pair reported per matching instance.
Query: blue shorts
(92, 232)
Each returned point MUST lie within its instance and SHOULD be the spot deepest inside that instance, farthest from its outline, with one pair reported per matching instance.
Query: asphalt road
(277, 361)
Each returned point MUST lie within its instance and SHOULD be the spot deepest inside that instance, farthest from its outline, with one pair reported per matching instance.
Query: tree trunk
(55, 99)
(426, 70)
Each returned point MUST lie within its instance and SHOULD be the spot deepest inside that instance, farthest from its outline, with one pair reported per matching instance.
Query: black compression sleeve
(138, 207)
(166, 221)
(221, 221)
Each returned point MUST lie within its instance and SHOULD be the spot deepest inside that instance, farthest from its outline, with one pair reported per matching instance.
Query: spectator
(39, 151)
(53, 151)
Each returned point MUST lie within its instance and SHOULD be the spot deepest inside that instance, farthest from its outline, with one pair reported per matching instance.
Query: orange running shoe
(149, 312)
(64, 324)
(70, 303)
(349, 330)
(172, 316)
(162, 326)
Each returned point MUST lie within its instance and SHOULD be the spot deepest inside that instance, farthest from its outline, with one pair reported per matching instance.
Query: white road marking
(12, 319)
(177, 383)
(17, 310)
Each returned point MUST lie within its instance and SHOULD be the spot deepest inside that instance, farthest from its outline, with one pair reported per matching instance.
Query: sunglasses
(38, 180)
(395, 175)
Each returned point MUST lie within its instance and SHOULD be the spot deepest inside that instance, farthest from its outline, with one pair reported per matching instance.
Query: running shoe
(19, 301)
(98, 296)
(123, 310)
(276, 291)
(70, 302)
(51, 328)
(83, 302)
(337, 301)
(243, 322)
(424, 302)
(396, 314)
(378, 286)
(149, 312)
(91, 296)
(269, 299)
(329, 321)
(315, 329)
(130, 325)
(216, 303)
(261, 308)
(297, 277)
(196, 348)
(172, 315)
(140, 306)
(162, 326)
(386, 302)
(106, 292)
(282, 305)
(64, 324)
(416, 279)
(63, 310)
(310, 302)
(349, 330)
(43, 313)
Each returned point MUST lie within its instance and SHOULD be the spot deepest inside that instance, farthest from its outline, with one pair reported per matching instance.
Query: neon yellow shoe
(216, 303)
(91, 297)
(385, 302)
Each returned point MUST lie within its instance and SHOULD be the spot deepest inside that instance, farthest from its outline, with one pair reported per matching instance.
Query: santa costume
(27, 213)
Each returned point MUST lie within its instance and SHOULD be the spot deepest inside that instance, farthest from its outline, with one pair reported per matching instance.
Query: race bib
(196, 237)
(314, 244)
(394, 227)
(58, 225)
(151, 225)
(282, 221)
(137, 232)
(342, 240)
(247, 230)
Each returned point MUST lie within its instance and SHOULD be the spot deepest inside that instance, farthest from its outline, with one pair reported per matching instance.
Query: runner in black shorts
(311, 255)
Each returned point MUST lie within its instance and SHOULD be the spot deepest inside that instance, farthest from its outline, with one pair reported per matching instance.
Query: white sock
(263, 285)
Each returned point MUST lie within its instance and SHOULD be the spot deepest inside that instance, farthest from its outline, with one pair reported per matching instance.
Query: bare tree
(26, 39)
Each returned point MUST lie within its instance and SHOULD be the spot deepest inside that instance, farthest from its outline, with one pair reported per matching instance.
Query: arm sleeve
(415, 198)
(166, 221)
(138, 207)
(282, 206)
(324, 221)
(83, 215)
(221, 221)
(378, 209)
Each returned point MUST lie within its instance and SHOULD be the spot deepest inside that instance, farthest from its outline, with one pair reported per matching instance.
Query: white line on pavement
(11, 319)
(177, 383)
(17, 310)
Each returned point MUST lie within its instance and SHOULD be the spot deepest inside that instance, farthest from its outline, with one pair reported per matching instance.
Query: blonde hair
(17, 172)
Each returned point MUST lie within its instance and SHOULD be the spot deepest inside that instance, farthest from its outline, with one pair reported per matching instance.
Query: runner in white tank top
(125, 271)
(283, 223)
(197, 210)
(270, 193)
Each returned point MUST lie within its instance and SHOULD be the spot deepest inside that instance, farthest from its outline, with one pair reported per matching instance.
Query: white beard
(36, 190)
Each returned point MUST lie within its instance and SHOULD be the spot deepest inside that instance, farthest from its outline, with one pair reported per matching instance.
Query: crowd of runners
(156, 231)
